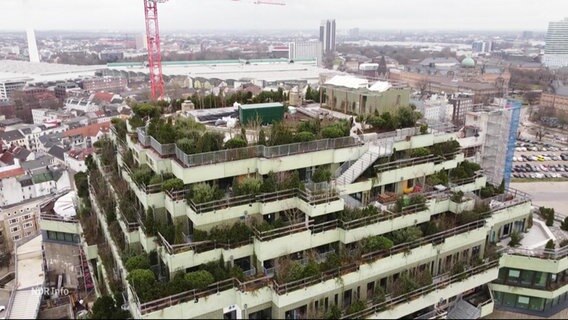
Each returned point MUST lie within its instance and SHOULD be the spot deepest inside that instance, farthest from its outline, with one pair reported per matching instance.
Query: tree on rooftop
(262, 137)
(144, 283)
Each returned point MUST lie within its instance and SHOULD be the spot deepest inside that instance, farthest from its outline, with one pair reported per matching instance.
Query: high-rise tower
(327, 35)
(556, 50)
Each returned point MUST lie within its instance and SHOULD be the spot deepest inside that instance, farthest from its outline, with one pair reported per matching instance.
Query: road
(548, 194)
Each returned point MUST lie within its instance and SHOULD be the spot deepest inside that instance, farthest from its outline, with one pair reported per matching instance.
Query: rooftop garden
(404, 117)
(148, 288)
(463, 171)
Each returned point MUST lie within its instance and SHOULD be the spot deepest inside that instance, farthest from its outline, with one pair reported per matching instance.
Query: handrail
(201, 246)
(282, 231)
(541, 253)
(378, 307)
(186, 296)
(53, 217)
(213, 157)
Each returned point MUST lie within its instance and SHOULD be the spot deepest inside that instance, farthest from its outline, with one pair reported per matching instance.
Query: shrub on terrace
(465, 170)
(304, 136)
(136, 122)
(406, 235)
(199, 279)
(356, 306)
(82, 184)
(376, 243)
(424, 129)
(550, 245)
(106, 307)
(516, 238)
(564, 225)
(457, 197)
(262, 137)
(236, 233)
(173, 184)
(269, 183)
(333, 313)
(547, 214)
(120, 126)
(349, 214)
(204, 192)
(144, 283)
(438, 178)
(247, 186)
(420, 152)
(210, 141)
(235, 143)
(444, 148)
(143, 174)
(137, 262)
(321, 174)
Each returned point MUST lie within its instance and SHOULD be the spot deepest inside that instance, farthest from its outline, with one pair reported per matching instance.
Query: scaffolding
(515, 113)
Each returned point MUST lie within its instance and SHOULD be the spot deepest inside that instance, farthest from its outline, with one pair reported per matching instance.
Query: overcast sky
(127, 15)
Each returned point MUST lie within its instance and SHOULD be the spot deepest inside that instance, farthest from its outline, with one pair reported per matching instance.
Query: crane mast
(154, 50)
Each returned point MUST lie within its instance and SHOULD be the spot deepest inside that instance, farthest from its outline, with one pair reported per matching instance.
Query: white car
(2, 308)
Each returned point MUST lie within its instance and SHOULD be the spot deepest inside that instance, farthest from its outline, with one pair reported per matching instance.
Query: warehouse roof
(261, 105)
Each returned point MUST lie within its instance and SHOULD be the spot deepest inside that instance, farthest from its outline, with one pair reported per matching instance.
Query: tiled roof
(11, 173)
(88, 131)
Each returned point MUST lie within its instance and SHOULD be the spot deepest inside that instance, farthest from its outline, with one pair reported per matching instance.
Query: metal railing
(143, 138)
(164, 150)
(451, 279)
(540, 253)
(56, 218)
(200, 247)
(191, 295)
(281, 232)
(242, 153)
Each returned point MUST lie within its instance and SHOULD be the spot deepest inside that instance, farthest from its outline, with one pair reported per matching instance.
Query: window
(28, 233)
(526, 277)
(16, 238)
(28, 225)
(27, 217)
(13, 221)
(14, 229)
(523, 302)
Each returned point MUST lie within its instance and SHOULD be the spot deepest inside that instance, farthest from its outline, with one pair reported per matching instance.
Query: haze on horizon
(182, 15)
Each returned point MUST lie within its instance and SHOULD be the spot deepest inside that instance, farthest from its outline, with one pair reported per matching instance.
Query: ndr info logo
(40, 291)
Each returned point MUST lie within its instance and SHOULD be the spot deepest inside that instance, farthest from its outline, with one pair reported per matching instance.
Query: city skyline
(177, 15)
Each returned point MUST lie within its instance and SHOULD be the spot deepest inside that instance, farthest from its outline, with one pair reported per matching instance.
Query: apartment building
(401, 226)
(19, 222)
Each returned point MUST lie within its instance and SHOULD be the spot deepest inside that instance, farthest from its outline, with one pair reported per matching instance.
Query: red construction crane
(154, 50)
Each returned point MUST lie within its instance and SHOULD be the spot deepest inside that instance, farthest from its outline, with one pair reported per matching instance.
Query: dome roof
(468, 62)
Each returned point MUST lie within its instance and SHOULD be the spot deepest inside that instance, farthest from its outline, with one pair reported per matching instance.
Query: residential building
(20, 221)
(556, 49)
(85, 137)
(557, 102)
(107, 83)
(310, 251)
(75, 159)
(10, 85)
(18, 185)
(327, 35)
(63, 90)
(306, 50)
(478, 47)
(81, 104)
(462, 104)
(349, 94)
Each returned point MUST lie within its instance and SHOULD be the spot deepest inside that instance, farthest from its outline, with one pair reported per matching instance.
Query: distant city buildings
(11, 85)
(556, 49)
(327, 35)
(482, 47)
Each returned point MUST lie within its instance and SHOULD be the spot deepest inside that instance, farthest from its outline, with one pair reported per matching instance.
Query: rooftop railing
(166, 150)
(540, 253)
(201, 246)
(281, 232)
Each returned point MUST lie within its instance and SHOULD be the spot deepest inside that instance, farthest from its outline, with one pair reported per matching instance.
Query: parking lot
(536, 160)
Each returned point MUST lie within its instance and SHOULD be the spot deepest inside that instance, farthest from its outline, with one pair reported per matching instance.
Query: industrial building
(308, 50)
(353, 95)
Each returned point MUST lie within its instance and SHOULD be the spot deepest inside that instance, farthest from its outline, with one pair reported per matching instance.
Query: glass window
(536, 304)
(526, 277)
(540, 279)
(509, 299)
(68, 237)
(514, 273)
(523, 302)
(498, 296)
(60, 236)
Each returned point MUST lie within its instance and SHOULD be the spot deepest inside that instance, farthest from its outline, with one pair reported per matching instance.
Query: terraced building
(389, 225)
